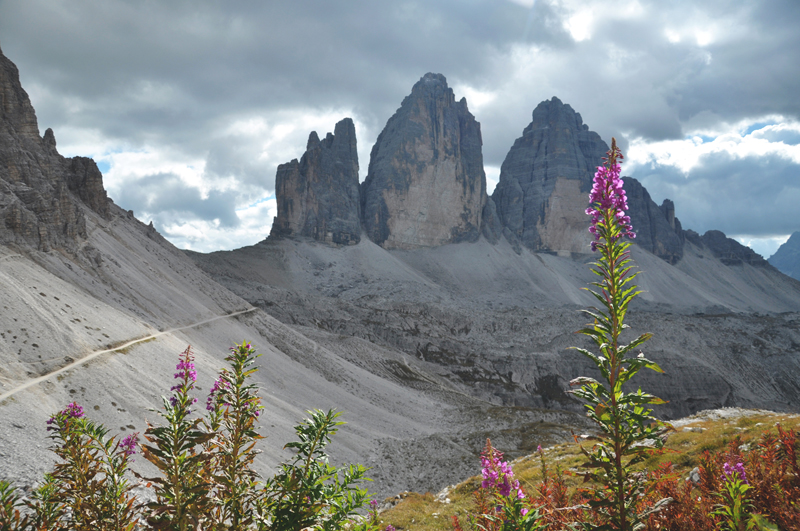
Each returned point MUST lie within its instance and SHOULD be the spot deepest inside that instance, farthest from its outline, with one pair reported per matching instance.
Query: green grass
(421, 512)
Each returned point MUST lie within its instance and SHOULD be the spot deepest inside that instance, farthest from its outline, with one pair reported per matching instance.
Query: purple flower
(390, 527)
(608, 197)
(185, 366)
(498, 474)
(729, 470)
(218, 385)
(72, 411)
(128, 444)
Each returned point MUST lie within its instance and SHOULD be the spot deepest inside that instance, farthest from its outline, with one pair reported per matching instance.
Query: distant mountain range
(787, 258)
(433, 314)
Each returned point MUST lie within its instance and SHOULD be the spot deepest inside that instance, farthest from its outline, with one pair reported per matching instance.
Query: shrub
(206, 479)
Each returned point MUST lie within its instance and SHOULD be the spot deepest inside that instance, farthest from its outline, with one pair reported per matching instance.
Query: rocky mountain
(787, 257)
(426, 185)
(447, 303)
(428, 348)
(40, 190)
(545, 180)
(546, 175)
(96, 307)
(318, 197)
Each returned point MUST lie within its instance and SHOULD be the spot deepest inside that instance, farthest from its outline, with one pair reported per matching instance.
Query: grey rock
(545, 180)
(40, 191)
(426, 185)
(86, 181)
(655, 226)
(318, 197)
(694, 476)
(729, 251)
(787, 258)
(491, 227)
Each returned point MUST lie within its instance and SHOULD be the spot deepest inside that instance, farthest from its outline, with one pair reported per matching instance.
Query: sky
(189, 106)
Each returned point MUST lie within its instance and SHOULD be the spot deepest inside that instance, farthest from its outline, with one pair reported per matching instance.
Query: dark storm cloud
(757, 196)
(169, 200)
(176, 75)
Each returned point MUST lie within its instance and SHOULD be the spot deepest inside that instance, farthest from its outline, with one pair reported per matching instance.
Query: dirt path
(97, 353)
(9, 256)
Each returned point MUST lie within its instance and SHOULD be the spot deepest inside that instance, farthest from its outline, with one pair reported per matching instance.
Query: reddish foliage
(772, 470)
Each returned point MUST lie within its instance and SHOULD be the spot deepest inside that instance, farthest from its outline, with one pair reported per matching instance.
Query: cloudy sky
(188, 106)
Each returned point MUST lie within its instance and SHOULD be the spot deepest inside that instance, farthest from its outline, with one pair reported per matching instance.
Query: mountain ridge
(428, 349)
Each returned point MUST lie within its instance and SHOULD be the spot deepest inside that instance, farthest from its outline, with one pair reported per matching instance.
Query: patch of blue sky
(104, 166)
(756, 126)
(260, 201)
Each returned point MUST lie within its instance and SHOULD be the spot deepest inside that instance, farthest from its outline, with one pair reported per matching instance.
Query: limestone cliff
(545, 180)
(318, 197)
(40, 190)
(657, 229)
(426, 185)
(544, 187)
(729, 251)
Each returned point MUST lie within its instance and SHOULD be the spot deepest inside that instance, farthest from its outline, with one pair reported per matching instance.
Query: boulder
(426, 185)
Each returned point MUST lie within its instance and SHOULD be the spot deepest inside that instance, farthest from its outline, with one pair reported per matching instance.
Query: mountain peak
(787, 258)
(426, 185)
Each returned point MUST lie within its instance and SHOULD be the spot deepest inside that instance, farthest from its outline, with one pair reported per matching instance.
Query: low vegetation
(206, 479)
(551, 479)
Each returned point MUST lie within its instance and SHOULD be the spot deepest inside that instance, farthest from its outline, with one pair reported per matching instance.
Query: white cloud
(492, 178)
(737, 142)
(207, 236)
(766, 247)
(476, 99)
(579, 25)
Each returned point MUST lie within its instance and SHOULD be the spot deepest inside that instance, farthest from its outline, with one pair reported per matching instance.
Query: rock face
(657, 229)
(787, 258)
(40, 190)
(426, 185)
(729, 251)
(318, 197)
(545, 180)
(543, 192)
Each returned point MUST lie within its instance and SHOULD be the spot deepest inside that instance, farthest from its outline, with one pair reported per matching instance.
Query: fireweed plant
(624, 419)
(234, 406)
(88, 489)
(309, 492)
(183, 494)
(206, 479)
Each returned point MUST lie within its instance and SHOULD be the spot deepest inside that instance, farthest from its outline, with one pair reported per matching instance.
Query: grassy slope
(693, 436)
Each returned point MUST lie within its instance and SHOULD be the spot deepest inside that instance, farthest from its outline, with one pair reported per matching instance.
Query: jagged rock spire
(318, 195)
(426, 185)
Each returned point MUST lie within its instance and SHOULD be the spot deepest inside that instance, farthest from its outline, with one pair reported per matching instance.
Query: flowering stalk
(501, 502)
(623, 418)
(89, 481)
(735, 510)
(183, 494)
(234, 407)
